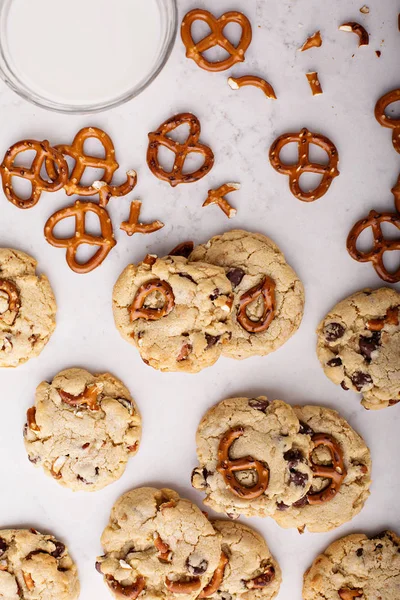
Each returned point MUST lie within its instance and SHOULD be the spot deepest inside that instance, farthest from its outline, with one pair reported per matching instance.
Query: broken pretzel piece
(314, 41)
(236, 83)
(314, 83)
(217, 197)
(107, 191)
(358, 30)
(133, 226)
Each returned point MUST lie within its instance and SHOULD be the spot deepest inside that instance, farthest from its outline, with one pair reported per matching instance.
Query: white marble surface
(240, 126)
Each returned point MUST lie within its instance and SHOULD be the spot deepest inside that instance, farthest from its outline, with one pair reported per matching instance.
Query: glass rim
(13, 81)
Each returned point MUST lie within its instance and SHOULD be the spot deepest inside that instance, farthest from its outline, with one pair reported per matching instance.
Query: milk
(82, 51)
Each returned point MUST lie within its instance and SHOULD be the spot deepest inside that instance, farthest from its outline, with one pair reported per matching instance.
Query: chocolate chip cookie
(27, 308)
(176, 312)
(247, 570)
(83, 429)
(252, 456)
(158, 545)
(268, 295)
(359, 346)
(341, 465)
(34, 566)
(356, 566)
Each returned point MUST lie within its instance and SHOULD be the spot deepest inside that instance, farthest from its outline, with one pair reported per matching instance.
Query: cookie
(268, 295)
(34, 566)
(158, 545)
(248, 571)
(83, 429)
(176, 313)
(359, 346)
(27, 308)
(251, 456)
(356, 566)
(341, 464)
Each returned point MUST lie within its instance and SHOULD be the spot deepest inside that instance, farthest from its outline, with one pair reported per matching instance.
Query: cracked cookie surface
(251, 572)
(359, 346)
(160, 544)
(83, 429)
(27, 308)
(189, 334)
(356, 566)
(353, 489)
(34, 566)
(270, 436)
(248, 258)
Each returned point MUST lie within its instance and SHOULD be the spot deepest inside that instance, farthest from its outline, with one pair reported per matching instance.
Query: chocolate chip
(378, 546)
(369, 344)
(215, 294)
(360, 552)
(360, 380)
(302, 502)
(333, 332)
(259, 404)
(224, 595)
(379, 536)
(293, 456)
(344, 386)
(393, 402)
(235, 276)
(186, 276)
(212, 340)
(33, 459)
(3, 546)
(305, 429)
(334, 362)
(85, 481)
(184, 249)
(196, 565)
(281, 506)
(298, 478)
(206, 473)
(59, 550)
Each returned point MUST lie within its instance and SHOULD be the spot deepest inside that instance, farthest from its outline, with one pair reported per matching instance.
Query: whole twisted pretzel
(227, 467)
(215, 38)
(105, 242)
(216, 579)
(266, 289)
(380, 246)
(129, 591)
(336, 473)
(160, 138)
(45, 154)
(388, 122)
(90, 397)
(304, 138)
(137, 310)
(348, 594)
(14, 301)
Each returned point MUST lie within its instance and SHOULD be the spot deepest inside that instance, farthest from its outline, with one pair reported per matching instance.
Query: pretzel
(217, 197)
(89, 396)
(314, 83)
(105, 242)
(217, 578)
(267, 289)
(227, 467)
(386, 121)
(137, 310)
(44, 153)
(160, 138)
(107, 191)
(14, 301)
(358, 30)
(164, 551)
(183, 587)
(31, 419)
(185, 249)
(132, 226)
(235, 83)
(314, 41)
(391, 318)
(129, 591)
(336, 473)
(380, 246)
(396, 194)
(215, 38)
(347, 594)
(304, 138)
(262, 580)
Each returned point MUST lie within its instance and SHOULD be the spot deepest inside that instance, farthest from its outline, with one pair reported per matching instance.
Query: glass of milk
(81, 56)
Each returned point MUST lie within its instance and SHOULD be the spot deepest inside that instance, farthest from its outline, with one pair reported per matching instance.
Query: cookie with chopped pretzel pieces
(176, 312)
(341, 465)
(359, 346)
(268, 295)
(82, 429)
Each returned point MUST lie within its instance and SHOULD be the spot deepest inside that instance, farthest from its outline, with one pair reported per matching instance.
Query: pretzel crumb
(314, 83)
(262, 84)
(359, 30)
(217, 197)
(364, 9)
(314, 41)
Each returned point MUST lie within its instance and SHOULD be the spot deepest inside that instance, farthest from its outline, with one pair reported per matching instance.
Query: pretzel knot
(266, 289)
(181, 150)
(215, 38)
(336, 473)
(380, 245)
(388, 122)
(227, 467)
(216, 579)
(304, 138)
(128, 591)
(137, 309)
(105, 242)
(347, 594)
(14, 301)
(44, 154)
